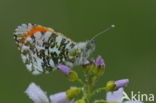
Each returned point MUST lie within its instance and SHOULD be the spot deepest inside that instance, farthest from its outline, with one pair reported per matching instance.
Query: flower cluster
(92, 71)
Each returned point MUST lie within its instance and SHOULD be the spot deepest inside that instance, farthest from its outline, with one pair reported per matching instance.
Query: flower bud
(60, 97)
(99, 66)
(63, 68)
(110, 86)
(99, 62)
(73, 76)
(73, 92)
(121, 83)
(113, 85)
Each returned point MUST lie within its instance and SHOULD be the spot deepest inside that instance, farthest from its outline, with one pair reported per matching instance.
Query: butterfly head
(82, 51)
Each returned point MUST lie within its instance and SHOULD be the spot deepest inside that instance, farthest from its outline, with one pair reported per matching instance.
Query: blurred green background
(129, 49)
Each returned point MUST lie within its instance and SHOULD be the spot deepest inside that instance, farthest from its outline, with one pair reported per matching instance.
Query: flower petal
(121, 83)
(115, 96)
(60, 98)
(119, 96)
(36, 94)
(99, 61)
(66, 70)
(133, 102)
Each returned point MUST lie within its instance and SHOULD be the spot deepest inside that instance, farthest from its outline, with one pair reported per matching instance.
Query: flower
(114, 85)
(66, 70)
(119, 96)
(121, 83)
(71, 75)
(95, 67)
(110, 86)
(60, 98)
(37, 95)
(99, 61)
(73, 92)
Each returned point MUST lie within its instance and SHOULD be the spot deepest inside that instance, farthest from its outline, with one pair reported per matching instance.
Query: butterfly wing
(42, 49)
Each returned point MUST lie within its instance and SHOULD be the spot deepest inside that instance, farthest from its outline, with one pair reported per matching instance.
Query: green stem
(87, 92)
(81, 82)
(98, 90)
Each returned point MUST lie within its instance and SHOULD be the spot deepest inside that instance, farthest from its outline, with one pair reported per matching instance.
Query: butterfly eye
(90, 44)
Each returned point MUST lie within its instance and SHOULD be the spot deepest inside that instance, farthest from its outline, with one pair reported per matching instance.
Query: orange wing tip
(26, 30)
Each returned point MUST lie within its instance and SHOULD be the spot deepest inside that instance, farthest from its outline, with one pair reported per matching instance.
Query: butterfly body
(43, 49)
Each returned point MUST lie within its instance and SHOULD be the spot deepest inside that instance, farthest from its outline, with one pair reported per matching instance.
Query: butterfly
(43, 49)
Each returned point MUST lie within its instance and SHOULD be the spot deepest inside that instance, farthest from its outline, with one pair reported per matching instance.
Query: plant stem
(87, 92)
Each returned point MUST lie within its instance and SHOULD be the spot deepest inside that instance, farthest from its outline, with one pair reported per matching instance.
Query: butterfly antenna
(105, 30)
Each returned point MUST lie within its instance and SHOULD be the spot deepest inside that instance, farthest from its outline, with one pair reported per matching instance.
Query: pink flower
(119, 96)
(99, 61)
(60, 98)
(66, 70)
(121, 83)
(37, 95)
